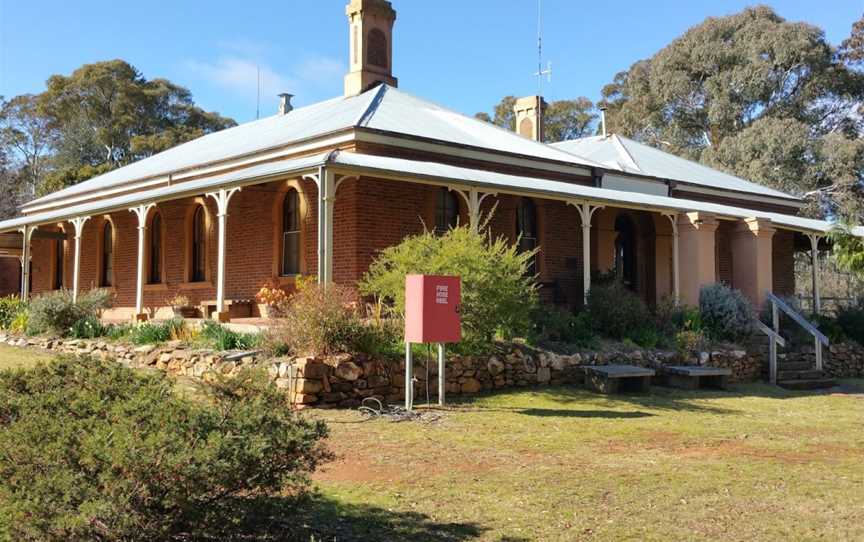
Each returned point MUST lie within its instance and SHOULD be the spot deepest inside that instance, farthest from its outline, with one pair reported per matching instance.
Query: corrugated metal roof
(630, 156)
(382, 108)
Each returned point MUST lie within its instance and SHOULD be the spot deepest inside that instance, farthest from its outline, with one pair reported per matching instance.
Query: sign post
(431, 316)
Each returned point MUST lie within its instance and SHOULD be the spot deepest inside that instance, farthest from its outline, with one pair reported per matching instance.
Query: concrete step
(810, 374)
(811, 384)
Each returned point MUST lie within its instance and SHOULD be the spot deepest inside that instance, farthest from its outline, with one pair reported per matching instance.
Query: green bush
(92, 450)
(220, 337)
(616, 312)
(55, 312)
(557, 325)
(498, 294)
(725, 313)
(850, 319)
(10, 308)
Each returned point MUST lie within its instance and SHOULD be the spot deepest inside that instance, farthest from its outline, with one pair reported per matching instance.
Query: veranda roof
(425, 172)
(630, 156)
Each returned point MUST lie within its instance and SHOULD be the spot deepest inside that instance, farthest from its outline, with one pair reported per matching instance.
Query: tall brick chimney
(371, 45)
(530, 113)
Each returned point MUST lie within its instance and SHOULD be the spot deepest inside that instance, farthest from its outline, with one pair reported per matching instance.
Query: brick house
(321, 189)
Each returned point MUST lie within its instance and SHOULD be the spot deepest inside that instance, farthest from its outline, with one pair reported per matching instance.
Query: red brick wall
(370, 215)
(10, 276)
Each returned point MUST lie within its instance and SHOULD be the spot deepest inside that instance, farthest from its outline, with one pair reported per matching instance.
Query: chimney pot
(285, 106)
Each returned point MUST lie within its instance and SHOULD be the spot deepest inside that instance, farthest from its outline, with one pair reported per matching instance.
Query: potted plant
(180, 305)
(270, 298)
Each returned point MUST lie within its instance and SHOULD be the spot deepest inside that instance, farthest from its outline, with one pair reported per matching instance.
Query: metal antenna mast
(258, 99)
(540, 71)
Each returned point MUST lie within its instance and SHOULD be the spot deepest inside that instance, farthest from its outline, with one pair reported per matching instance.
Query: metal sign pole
(441, 374)
(409, 378)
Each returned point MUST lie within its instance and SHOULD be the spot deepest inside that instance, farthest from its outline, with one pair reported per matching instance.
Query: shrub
(317, 321)
(498, 293)
(556, 325)
(221, 338)
(10, 308)
(615, 311)
(726, 314)
(92, 450)
(55, 312)
(689, 341)
(850, 319)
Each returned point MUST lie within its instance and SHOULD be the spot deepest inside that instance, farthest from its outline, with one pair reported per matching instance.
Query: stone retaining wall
(841, 360)
(346, 379)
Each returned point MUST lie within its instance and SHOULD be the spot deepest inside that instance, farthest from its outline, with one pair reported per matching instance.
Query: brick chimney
(371, 45)
(529, 117)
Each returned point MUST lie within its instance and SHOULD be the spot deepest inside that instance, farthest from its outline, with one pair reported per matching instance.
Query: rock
(470, 385)
(145, 349)
(704, 358)
(305, 385)
(544, 374)
(315, 369)
(495, 366)
(376, 381)
(348, 370)
(283, 383)
(305, 398)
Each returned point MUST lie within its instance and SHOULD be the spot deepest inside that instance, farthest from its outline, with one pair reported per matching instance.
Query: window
(107, 271)
(155, 254)
(625, 252)
(291, 233)
(526, 228)
(59, 254)
(199, 246)
(377, 49)
(446, 210)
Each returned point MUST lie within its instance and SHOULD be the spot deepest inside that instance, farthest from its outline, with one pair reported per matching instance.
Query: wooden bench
(695, 378)
(238, 308)
(618, 378)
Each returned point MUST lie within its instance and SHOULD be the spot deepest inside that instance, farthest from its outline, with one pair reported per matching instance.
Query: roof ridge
(620, 145)
(367, 114)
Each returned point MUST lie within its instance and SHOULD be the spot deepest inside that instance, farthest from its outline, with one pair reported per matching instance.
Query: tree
(848, 250)
(26, 138)
(565, 119)
(852, 48)
(108, 115)
(749, 93)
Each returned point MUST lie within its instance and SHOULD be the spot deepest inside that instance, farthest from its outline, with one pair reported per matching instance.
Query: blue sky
(464, 54)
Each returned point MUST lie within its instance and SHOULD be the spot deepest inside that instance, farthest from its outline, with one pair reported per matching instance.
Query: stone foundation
(345, 380)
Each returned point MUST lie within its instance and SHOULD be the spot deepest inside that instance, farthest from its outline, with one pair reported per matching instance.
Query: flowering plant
(179, 300)
(271, 294)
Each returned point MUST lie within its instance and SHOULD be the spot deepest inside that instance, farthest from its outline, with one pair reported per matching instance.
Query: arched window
(625, 251)
(446, 210)
(154, 275)
(199, 246)
(291, 233)
(59, 257)
(107, 271)
(377, 48)
(526, 229)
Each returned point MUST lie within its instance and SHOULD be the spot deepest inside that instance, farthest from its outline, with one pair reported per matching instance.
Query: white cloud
(240, 75)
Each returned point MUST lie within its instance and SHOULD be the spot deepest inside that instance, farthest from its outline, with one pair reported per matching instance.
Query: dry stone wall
(345, 380)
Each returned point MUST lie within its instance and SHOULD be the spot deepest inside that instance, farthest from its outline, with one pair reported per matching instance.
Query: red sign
(432, 309)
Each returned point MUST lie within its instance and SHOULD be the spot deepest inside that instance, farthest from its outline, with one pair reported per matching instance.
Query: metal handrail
(778, 304)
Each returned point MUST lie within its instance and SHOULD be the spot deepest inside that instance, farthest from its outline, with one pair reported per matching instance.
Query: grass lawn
(561, 464)
(13, 358)
(757, 463)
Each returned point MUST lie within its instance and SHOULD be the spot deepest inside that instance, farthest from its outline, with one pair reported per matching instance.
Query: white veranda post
(586, 211)
(78, 223)
(328, 185)
(473, 199)
(676, 270)
(223, 198)
(141, 212)
(814, 257)
(27, 235)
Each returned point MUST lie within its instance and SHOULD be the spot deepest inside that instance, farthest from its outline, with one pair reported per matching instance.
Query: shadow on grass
(318, 518)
